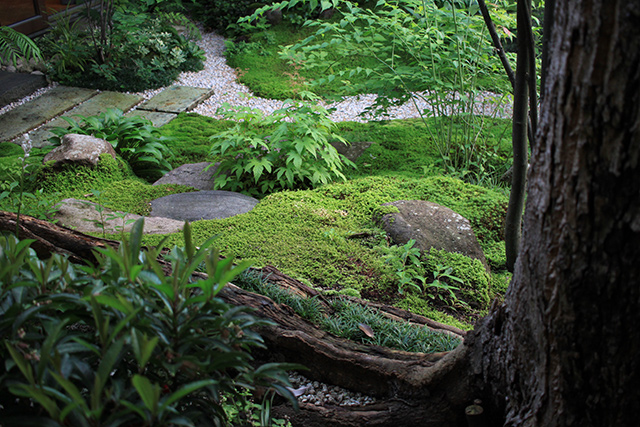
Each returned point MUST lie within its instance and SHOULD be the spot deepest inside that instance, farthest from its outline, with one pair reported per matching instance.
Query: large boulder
(192, 175)
(202, 205)
(432, 226)
(86, 217)
(83, 150)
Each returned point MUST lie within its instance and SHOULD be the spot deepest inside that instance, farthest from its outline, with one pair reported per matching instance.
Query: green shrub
(296, 155)
(120, 343)
(219, 14)
(141, 52)
(134, 138)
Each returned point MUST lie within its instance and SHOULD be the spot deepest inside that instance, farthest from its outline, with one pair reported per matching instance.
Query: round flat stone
(199, 205)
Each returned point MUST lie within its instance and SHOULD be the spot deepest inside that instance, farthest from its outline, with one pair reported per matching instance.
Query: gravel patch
(320, 394)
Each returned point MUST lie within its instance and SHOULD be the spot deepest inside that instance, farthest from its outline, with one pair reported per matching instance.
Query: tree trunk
(563, 349)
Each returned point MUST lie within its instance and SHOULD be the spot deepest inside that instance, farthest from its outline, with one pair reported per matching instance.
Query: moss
(9, 149)
(475, 287)
(495, 253)
(417, 305)
(73, 180)
(306, 233)
(190, 137)
(499, 283)
(135, 196)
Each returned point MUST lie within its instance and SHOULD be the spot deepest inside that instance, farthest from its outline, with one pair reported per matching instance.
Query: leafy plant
(18, 193)
(442, 275)
(405, 260)
(134, 138)
(439, 59)
(118, 342)
(15, 45)
(296, 154)
(219, 14)
(121, 50)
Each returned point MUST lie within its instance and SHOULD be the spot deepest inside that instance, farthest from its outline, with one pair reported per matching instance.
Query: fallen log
(411, 388)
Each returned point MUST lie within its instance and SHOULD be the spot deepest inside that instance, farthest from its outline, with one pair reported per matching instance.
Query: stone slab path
(69, 101)
(15, 86)
(93, 106)
(38, 111)
(176, 99)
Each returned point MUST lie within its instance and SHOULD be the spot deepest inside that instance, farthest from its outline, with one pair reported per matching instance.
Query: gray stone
(15, 86)
(92, 107)
(84, 216)
(192, 175)
(157, 118)
(84, 150)
(41, 109)
(202, 205)
(353, 150)
(177, 99)
(432, 226)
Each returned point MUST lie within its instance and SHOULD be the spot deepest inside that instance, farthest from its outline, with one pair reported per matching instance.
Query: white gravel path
(223, 79)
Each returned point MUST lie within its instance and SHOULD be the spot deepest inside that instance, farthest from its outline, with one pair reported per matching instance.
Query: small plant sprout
(441, 273)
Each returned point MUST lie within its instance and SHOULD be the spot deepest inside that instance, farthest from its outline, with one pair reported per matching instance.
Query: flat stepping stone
(92, 107)
(202, 205)
(177, 99)
(89, 217)
(156, 117)
(34, 113)
(15, 86)
(191, 175)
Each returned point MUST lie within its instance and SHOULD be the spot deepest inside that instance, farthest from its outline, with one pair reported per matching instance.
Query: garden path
(215, 85)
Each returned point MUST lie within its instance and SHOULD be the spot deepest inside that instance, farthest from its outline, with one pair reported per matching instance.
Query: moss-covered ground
(327, 236)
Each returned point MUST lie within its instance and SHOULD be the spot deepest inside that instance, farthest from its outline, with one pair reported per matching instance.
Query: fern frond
(14, 45)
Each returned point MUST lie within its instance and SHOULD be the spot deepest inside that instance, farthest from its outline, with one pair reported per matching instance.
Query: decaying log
(52, 238)
(411, 388)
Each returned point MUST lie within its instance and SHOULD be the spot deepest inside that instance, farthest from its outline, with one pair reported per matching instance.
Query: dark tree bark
(563, 349)
(521, 122)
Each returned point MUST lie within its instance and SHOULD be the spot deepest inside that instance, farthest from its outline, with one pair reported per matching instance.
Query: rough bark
(563, 348)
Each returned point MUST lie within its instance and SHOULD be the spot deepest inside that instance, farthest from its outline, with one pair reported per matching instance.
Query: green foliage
(413, 50)
(464, 277)
(352, 319)
(241, 410)
(405, 261)
(18, 192)
(15, 45)
(134, 52)
(297, 154)
(292, 230)
(415, 304)
(219, 14)
(119, 342)
(134, 138)
(348, 317)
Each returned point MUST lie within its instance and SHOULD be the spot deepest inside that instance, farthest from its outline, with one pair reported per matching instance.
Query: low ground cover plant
(349, 319)
(118, 342)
